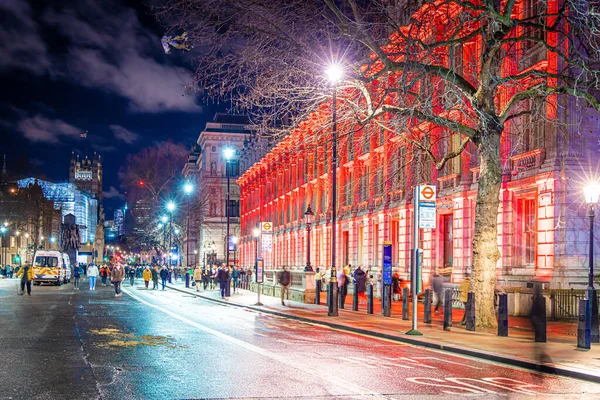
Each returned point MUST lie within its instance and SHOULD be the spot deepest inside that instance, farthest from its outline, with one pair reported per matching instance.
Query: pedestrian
(164, 276)
(213, 277)
(155, 278)
(26, 274)
(223, 278)
(249, 276)
(104, 274)
(170, 274)
(131, 275)
(361, 284)
(243, 277)
(92, 273)
(285, 279)
(437, 285)
(116, 277)
(464, 288)
(147, 275)
(76, 276)
(235, 275)
(198, 277)
(342, 285)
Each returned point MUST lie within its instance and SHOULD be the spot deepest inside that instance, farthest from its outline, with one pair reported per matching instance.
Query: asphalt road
(62, 344)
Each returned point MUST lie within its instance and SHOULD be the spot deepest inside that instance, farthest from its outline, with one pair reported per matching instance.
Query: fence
(564, 303)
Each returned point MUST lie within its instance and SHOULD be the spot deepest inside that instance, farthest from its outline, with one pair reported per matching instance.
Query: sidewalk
(559, 355)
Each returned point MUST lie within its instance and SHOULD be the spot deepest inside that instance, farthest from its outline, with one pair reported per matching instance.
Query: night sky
(86, 65)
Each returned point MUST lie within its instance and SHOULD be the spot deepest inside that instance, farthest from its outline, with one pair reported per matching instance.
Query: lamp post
(188, 188)
(592, 195)
(309, 215)
(335, 74)
(255, 233)
(170, 209)
(3, 232)
(228, 152)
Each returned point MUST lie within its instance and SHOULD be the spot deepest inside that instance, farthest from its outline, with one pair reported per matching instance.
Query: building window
(526, 232)
(213, 149)
(213, 209)
(234, 208)
(213, 168)
(233, 168)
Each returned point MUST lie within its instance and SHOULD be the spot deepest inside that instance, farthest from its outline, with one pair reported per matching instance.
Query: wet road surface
(62, 344)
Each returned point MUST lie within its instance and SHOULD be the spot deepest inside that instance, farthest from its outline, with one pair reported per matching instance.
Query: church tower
(86, 174)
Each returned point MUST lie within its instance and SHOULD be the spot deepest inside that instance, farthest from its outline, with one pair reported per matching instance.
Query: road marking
(274, 356)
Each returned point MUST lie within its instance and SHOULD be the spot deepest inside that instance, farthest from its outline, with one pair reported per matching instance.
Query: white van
(51, 266)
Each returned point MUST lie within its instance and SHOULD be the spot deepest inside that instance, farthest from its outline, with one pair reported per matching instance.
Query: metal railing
(564, 303)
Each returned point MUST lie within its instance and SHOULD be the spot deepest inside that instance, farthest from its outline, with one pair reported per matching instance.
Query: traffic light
(105, 258)
(141, 183)
(17, 259)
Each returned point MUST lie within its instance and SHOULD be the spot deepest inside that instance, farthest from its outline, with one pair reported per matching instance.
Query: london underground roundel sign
(427, 193)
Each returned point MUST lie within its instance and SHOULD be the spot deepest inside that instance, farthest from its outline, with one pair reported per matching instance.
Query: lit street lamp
(309, 215)
(188, 188)
(335, 74)
(255, 233)
(592, 195)
(3, 232)
(170, 208)
(228, 153)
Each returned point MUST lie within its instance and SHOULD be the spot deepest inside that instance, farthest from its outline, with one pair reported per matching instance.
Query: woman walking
(116, 277)
(92, 273)
(147, 275)
(198, 278)
(361, 284)
(76, 277)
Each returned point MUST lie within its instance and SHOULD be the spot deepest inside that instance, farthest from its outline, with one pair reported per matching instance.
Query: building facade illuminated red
(542, 224)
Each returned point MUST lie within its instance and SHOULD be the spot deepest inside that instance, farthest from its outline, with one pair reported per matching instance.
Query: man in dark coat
(164, 275)
(361, 284)
(223, 278)
(155, 278)
(285, 279)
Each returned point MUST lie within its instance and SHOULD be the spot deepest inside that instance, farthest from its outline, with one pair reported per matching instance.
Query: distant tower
(86, 174)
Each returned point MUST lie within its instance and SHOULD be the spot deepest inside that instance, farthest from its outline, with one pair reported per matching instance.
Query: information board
(387, 263)
(260, 271)
(266, 237)
(427, 215)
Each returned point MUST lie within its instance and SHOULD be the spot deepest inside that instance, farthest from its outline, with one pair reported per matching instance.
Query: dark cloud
(113, 193)
(124, 134)
(108, 49)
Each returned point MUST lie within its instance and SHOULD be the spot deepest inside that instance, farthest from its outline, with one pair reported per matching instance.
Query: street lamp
(255, 233)
(2, 231)
(335, 74)
(592, 195)
(309, 215)
(228, 152)
(188, 188)
(170, 208)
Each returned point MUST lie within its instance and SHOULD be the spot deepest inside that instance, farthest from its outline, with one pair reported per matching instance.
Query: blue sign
(387, 263)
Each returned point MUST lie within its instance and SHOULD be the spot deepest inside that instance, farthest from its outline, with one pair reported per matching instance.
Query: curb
(436, 346)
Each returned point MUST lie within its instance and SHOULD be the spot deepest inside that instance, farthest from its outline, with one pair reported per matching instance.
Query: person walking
(131, 275)
(164, 276)
(361, 284)
(464, 288)
(438, 288)
(342, 285)
(198, 277)
(213, 277)
(116, 277)
(76, 277)
(147, 275)
(92, 273)
(285, 279)
(235, 275)
(205, 279)
(26, 274)
(104, 274)
(223, 278)
(154, 278)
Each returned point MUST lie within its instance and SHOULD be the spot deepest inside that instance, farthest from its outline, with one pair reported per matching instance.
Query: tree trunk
(485, 239)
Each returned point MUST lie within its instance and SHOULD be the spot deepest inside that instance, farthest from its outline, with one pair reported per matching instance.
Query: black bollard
(448, 310)
(370, 299)
(470, 311)
(318, 292)
(228, 288)
(341, 297)
(426, 307)
(405, 304)
(503, 314)
(187, 279)
(355, 298)
(387, 306)
(594, 335)
(584, 325)
(538, 317)
(327, 295)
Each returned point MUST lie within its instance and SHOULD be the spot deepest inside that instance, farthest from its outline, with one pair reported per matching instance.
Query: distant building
(119, 221)
(142, 214)
(86, 174)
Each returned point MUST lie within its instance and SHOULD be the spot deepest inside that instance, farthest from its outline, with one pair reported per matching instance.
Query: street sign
(387, 263)
(266, 237)
(427, 193)
(427, 215)
(260, 271)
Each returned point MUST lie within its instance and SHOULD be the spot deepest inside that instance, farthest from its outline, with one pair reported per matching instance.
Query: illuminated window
(525, 234)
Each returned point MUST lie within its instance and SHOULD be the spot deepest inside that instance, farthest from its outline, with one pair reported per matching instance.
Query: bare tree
(442, 75)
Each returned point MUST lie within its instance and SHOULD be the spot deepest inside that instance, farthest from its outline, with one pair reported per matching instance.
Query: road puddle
(115, 338)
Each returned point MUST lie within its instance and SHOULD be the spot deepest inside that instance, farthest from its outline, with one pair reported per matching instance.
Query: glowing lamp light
(52, 239)
(255, 232)
(334, 73)
(188, 188)
(592, 192)
(177, 231)
(228, 152)
(2, 229)
(234, 240)
(170, 206)
(141, 183)
(164, 219)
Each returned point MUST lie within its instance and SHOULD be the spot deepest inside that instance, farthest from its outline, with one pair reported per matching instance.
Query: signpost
(424, 216)
(260, 277)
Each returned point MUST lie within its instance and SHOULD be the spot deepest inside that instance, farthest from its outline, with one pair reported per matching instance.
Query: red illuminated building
(542, 224)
